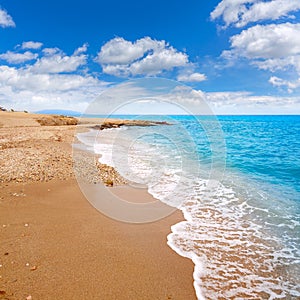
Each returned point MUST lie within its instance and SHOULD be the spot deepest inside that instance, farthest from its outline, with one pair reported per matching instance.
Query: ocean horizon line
(80, 114)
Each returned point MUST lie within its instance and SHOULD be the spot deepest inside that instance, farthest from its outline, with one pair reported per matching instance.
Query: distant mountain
(70, 113)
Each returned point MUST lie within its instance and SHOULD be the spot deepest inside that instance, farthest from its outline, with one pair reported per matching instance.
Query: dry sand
(55, 245)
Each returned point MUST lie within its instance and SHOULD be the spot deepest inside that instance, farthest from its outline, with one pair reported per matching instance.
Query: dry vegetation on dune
(55, 120)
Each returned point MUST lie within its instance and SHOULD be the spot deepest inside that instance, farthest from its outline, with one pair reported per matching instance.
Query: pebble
(35, 154)
(40, 159)
(90, 172)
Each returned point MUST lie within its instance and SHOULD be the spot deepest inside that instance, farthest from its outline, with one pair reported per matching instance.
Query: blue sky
(243, 55)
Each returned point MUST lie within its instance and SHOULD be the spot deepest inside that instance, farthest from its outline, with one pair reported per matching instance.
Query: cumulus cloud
(158, 61)
(51, 51)
(5, 19)
(17, 58)
(242, 12)
(267, 41)
(119, 51)
(22, 89)
(191, 77)
(276, 64)
(269, 47)
(55, 61)
(23, 79)
(31, 45)
(290, 85)
(81, 49)
(53, 81)
(145, 56)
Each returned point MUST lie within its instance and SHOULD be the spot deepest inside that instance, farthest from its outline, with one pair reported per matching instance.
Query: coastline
(54, 244)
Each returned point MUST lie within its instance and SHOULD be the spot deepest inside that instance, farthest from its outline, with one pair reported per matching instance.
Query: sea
(236, 180)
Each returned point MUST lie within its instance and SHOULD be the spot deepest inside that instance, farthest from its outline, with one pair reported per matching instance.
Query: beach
(55, 245)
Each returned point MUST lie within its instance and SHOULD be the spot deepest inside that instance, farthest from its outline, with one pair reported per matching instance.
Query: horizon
(244, 58)
(128, 114)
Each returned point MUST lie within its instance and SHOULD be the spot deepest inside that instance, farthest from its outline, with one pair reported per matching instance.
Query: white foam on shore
(240, 246)
(235, 255)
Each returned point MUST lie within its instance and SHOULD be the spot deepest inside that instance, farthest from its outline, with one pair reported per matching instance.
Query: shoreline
(54, 244)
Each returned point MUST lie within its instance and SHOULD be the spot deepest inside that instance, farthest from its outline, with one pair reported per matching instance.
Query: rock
(109, 182)
(58, 139)
(118, 123)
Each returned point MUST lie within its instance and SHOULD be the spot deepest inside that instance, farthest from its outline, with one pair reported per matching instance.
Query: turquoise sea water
(237, 181)
(267, 150)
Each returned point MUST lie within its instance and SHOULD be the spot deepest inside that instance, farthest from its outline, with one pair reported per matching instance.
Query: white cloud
(290, 62)
(271, 10)
(81, 49)
(158, 61)
(23, 79)
(247, 103)
(116, 70)
(155, 95)
(5, 19)
(267, 41)
(48, 84)
(51, 51)
(145, 56)
(242, 12)
(269, 47)
(191, 77)
(16, 58)
(141, 96)
(57, 62)
(22, 89)
(290, 85)
(31, 45)
(119, 51)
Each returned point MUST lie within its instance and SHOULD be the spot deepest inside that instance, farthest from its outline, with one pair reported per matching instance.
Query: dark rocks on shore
(117, 124)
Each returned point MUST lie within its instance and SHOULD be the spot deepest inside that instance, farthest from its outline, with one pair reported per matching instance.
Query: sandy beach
(55, 245)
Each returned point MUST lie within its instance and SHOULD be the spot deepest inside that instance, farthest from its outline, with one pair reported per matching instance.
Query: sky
(243, 56)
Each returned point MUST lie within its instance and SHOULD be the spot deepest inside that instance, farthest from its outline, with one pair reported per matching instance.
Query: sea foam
(244, 245)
